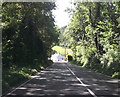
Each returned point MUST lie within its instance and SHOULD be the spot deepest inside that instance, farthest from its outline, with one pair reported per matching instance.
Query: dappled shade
(58, 80)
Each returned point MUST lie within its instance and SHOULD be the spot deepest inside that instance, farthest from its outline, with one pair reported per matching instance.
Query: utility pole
(65, 50)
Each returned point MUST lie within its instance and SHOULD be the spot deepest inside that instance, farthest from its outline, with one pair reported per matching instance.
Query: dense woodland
(27, 37)
(29, 33)
(93, 34)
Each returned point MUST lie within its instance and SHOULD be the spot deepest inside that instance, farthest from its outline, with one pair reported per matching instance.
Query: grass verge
(15, 75)
(61, 50)
(97, 68)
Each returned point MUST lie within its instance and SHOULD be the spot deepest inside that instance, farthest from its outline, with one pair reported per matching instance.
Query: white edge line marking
(82, 83)
(25, 82)
(19, 86)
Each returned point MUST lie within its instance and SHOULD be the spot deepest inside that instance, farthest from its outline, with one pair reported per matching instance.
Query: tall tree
(94, 27)
(28, 32)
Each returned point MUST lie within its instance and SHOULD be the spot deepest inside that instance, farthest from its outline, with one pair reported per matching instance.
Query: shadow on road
(58, 81)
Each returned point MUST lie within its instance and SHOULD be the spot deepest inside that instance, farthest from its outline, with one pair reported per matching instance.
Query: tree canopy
(28, 32)
(94, 35)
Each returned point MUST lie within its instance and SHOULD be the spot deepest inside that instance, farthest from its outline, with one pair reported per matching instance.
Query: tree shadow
(100, 84)
(58, 81)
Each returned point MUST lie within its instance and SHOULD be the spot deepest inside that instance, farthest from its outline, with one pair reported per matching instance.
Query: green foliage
(69, 55)
(27, 37)
(93, 35)
(16, 74)
(28, 32)
(116, 74)
(61, 50)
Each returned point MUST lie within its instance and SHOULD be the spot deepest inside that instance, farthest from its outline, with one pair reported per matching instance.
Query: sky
(61, 17)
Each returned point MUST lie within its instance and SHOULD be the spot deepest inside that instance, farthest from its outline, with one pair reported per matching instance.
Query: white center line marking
(82, 83)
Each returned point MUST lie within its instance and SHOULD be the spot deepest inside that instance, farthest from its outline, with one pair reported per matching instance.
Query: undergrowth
(14, 75)
(109, 71)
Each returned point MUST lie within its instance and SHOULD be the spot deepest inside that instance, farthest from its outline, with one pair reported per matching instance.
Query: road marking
(90, 91)
(45, 69)
(32, 77)
(19, 86)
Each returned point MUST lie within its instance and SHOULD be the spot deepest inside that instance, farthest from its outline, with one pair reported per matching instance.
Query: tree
(93, 35)
(28, 32)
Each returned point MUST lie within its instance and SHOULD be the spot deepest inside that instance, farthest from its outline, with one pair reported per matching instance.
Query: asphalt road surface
(67, 80)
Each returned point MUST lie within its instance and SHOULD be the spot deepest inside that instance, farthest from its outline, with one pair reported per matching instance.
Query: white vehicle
(56, 57)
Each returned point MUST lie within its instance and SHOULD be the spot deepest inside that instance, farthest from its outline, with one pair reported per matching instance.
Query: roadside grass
(61, 50)
(97, 68)
(15, 75)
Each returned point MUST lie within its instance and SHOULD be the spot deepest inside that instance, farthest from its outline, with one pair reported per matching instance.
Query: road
(67, 80)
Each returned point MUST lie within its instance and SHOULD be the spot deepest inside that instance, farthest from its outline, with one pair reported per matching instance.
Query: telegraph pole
(65, 49)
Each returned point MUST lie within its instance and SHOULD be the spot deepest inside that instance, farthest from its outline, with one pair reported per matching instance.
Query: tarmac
(64, 79)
